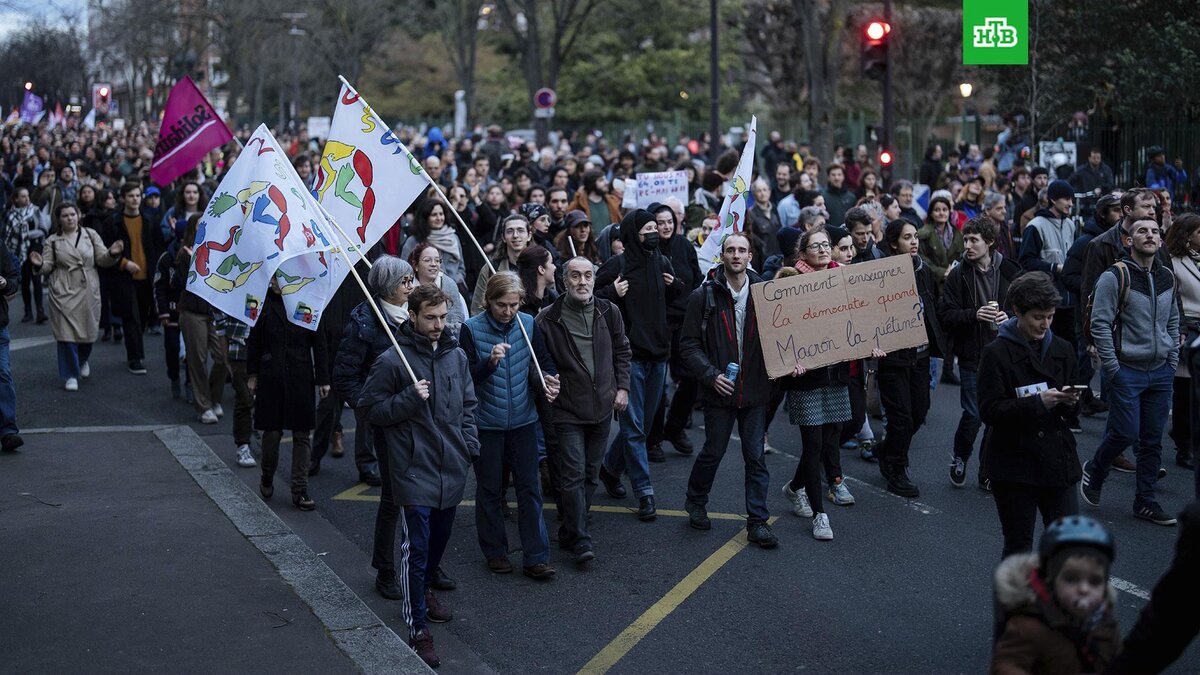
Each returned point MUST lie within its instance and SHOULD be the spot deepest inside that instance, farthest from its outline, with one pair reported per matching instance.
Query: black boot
(646, 511)
(900, 484)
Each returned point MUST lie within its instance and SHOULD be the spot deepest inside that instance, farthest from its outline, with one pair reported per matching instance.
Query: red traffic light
(104, 91)
(885, 158)
(877, 30)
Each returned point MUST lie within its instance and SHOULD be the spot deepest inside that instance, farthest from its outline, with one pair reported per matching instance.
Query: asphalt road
(905, 586)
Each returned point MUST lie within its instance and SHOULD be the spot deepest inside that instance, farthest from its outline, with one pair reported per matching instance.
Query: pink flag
(190, 128)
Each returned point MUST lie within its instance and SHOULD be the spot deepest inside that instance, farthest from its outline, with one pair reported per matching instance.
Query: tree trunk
(823, 22)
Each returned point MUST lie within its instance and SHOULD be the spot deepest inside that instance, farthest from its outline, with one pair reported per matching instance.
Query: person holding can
(721, 348)
(970, 310)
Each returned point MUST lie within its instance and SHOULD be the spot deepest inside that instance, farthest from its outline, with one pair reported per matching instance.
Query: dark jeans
(516, 449)
(426, 533)
(384, 556)
(969, 423)
(329, 409)
(301, 447)
(71, 357)
(243, 403)
(718, 426)
(671, 420)
(858, 405)
(815, 441)
(31, 281)
(577, 459)
(8, 390)
(1138, 404)
(125, 306)
(627, 452)
(1018, 504)
(1181, 415)
(904, 394)
(171, 350)
(107, 283)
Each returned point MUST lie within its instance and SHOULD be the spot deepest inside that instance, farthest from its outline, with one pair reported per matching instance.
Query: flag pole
(371, 301)
(343, 234)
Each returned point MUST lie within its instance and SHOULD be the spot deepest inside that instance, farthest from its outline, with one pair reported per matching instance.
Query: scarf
(446, 241)
(397, 313)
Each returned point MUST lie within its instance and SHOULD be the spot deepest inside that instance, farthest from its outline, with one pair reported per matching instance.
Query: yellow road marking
(631, 636)
(358, 493)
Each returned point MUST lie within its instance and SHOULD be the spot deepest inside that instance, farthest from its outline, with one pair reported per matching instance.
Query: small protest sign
(657, 187)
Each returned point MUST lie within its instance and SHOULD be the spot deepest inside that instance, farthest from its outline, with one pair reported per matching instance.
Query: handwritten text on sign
(821, 318)
(656, 187)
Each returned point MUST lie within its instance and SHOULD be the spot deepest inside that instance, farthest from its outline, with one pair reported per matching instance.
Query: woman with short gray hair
(363, 340)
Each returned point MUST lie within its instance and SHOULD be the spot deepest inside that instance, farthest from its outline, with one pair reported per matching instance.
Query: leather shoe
(540, 572)
(338, 446)
(697, 516)
(680, 440)
(386, 584)
(11, 442)
(583, 553)
(266, 487)
(422, 644)
(1123, 465)
(499, 565)
(434, 610)
(898, 483)
(370, 478)
(442, 581)
(303, 502)
(655, 454)
(646, 511)
(612, 484)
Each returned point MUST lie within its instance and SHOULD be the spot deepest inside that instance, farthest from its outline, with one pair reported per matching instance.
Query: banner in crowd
(32, 108)
(89, 122)
(360, 156)
(190, 129)
(837, 315)
(648, 188)
(259, 217)
(732, 217)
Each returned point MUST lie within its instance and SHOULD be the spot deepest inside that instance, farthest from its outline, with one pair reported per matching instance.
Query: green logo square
(996, 32)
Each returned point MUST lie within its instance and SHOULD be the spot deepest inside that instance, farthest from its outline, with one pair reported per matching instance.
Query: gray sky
(14, 14)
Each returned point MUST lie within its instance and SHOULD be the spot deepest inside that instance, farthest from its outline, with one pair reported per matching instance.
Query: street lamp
(28, 86)
(965, 89)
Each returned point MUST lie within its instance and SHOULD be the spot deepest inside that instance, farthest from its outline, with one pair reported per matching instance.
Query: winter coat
(1187, 278)
(1038, 636)
(934, 252)
(582, 203)
(708, 345)
(1045, 243)
(431, 443)
(507, 392)
(1087, 179)
(686, 267)
(1072, 274)
(152, 243)
(837, 203)
(1025, 442)
(1143, 331)
(289, 362)
(1104, 249)
(765, 225)
(74, 288)
(584, 399)
(23, 232)
(906, 358)
(170, 280)
(363, 340)
(965, 334)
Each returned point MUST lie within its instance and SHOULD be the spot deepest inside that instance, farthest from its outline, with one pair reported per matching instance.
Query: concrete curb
(357, 631)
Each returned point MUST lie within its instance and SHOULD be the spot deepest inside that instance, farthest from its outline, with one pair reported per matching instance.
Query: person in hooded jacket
(721, 328)
(669, 423)
(1026, 400)
(1044, 246)
(972, 305)
(427, 440)
(904, 373)
(641, 281)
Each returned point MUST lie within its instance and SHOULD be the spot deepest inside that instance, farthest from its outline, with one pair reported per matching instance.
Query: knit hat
(533, 211)
(836, 234)
(1059, 189)
(787, 238)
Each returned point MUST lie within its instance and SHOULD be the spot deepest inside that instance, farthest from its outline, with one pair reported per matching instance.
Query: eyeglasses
(428, 260)
(819, 246)
(408, 281)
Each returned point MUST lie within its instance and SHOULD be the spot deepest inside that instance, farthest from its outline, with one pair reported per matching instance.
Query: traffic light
(885, 158)
(874, 49)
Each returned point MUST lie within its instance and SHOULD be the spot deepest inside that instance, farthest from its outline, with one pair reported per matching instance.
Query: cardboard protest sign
(657, 187)
(822, 318)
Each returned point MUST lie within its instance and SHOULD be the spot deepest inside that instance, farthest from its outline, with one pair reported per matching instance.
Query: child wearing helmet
(1057, 603)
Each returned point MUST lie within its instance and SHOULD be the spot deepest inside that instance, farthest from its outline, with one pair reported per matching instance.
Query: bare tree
(924, 45)
(459, 21)
(772, 52)
(823, 23)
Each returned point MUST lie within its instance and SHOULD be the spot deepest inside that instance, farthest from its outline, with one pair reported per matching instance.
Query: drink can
(996, 306)
(731, 372)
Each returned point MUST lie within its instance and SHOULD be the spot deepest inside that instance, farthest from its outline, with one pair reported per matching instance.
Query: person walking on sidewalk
(426, 438)
(507, 380)
(285, 364)
(586, 338)
(234, 334)
(1026, 399)
(10, 438)
(972, 306)
(1135, 326)
(719, 330)
(71, 256)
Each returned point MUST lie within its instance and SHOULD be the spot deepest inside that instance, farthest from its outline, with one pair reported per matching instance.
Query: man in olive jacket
(586, 337)
(428, 432)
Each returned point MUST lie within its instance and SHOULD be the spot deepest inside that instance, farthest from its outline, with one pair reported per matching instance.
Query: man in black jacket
(1094, 176)
(972, 306)
(669, 425)
(133, 290)
(586, 338)
(642, 283)
(721, 329)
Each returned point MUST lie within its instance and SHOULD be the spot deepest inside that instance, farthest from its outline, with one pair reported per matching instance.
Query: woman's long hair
(528, 262)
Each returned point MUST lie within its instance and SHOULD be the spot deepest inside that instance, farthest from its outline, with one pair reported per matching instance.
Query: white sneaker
(208, 417)
(85, 370)
(768, 449)
(821, 529)
(72, 384)
(840, 494)
(244, 458)
(218, 411)
(799, 502)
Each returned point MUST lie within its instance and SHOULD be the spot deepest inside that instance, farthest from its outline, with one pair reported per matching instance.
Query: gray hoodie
(1143, 332)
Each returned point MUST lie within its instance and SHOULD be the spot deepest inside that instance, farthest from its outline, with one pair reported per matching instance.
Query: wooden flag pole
(343, 235)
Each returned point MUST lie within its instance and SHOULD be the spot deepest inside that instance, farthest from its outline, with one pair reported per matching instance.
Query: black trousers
(384, 556)
(1018, 504)
(817, 442)
(671, 419)
(858, 405)
(31, 285)
(329, 409)
(904, 393)
(126, 305)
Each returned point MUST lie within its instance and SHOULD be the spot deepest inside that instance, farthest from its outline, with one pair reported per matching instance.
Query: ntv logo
(995, 32)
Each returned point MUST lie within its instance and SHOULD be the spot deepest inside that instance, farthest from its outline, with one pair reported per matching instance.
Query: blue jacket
(507, 393)
(363, 340)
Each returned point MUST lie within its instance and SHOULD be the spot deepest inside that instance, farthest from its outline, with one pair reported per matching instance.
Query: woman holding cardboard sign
(818, 401)
(904, 374)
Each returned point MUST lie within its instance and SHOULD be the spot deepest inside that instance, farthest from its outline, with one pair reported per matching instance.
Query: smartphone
(1080, 388)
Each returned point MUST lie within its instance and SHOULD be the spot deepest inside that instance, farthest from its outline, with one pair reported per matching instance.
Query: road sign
(543, 113)
(544, 99)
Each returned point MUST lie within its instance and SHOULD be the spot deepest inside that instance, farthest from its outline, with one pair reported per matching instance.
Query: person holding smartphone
(1026, 398)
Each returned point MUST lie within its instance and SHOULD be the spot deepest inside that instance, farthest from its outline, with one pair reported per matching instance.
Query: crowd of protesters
(578, 310)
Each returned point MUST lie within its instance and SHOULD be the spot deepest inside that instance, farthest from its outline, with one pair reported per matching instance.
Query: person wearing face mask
(1057, 605)
(641, 281)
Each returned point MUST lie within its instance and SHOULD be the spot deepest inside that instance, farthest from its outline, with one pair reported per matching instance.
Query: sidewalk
(115, 557)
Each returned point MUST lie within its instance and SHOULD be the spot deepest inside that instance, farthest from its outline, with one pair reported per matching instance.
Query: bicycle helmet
(1072, 532)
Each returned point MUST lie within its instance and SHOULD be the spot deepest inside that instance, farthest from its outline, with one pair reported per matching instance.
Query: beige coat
(74, 283)
(1187, 284)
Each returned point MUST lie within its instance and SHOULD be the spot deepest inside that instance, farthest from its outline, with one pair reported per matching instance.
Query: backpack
(1123, 282)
